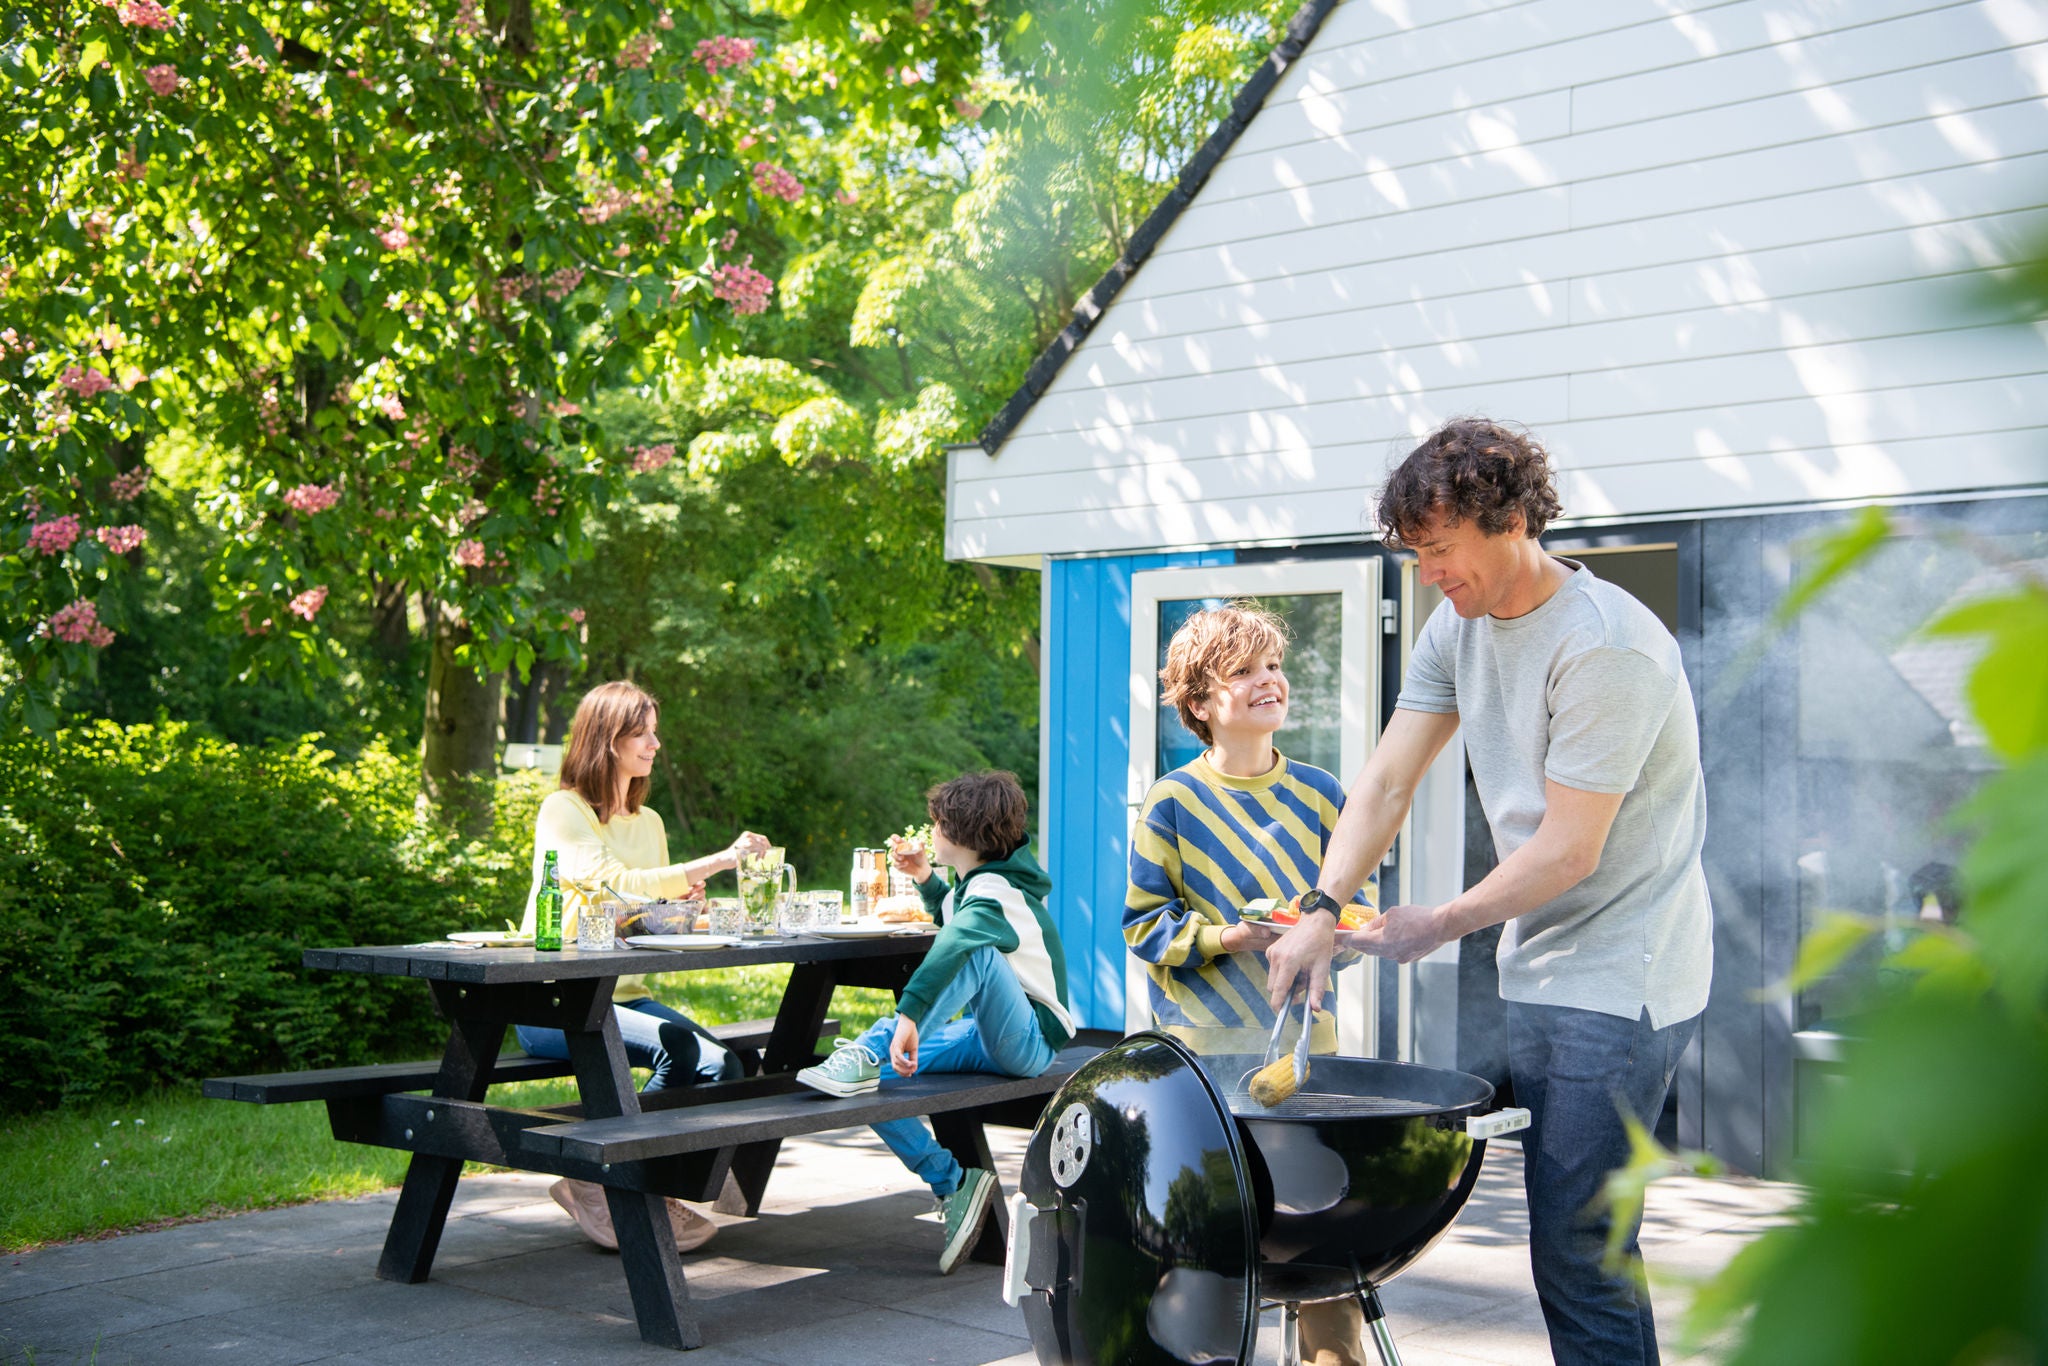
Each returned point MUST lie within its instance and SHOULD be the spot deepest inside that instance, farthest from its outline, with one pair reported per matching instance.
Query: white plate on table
(682, 941)
(494, 939)
(862, 929)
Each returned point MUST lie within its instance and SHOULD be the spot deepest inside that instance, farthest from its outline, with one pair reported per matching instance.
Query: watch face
(1318, 900)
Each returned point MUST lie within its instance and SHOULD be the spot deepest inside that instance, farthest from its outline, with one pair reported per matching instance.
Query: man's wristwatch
(1316, 899)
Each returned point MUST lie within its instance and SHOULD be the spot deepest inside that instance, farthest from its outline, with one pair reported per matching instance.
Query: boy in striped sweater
(997, 963)
(1240, 822)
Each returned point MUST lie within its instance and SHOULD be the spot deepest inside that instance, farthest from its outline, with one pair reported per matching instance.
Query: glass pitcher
(763, 878)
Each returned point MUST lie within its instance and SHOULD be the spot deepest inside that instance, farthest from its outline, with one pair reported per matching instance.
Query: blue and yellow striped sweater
(1206, 844)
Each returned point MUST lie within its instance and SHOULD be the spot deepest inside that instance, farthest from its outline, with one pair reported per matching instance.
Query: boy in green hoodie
(996, 963)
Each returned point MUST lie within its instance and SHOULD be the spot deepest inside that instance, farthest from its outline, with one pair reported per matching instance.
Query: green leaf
(2009, 687)
(53, 135)
(1836, 554)
(95, 53)
(1822, 951)
(326, 337)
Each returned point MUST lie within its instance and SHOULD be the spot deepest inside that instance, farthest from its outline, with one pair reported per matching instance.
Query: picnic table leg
(415, 1233)
(960, 1133)
(647, 1243)
(792, 1043)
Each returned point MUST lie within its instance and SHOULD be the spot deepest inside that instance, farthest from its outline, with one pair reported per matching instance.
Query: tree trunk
(533, 706)
(459, 747)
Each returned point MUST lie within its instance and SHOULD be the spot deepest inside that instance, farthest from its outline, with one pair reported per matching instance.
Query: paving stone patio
(839, 1268)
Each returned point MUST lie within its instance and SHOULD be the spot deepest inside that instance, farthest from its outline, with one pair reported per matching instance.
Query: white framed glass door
(1334, 613)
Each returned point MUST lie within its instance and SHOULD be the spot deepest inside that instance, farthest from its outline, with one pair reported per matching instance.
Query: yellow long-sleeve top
(629, 852)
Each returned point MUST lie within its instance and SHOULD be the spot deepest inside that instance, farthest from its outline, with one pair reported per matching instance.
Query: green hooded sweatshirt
(1000, 905)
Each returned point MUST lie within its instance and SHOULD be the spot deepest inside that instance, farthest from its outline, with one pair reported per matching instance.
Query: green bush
(158, 886)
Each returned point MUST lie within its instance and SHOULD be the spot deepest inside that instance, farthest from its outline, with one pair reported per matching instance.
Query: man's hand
(1303, 952)
(903, 1048)
(1246, 937)
(1402, 933)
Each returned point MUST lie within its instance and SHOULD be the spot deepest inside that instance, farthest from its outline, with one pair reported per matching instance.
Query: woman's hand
(1246, 937)
(747, 843)
(910, 859)
(903, 1047)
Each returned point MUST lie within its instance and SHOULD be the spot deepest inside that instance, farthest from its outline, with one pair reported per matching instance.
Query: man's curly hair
(1469, 470)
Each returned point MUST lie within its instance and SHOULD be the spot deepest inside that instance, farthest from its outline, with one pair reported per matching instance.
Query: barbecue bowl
(1160, 1206)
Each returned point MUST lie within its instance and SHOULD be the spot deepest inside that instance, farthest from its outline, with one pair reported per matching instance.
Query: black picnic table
(481, 991)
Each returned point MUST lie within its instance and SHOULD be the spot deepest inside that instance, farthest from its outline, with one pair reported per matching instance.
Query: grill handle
(1017, 1257)
(1482, 1126)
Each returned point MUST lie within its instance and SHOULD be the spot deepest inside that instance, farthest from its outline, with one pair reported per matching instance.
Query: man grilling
(1580, 733)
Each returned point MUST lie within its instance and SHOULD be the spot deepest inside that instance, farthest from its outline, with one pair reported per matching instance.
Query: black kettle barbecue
(1161, 1208)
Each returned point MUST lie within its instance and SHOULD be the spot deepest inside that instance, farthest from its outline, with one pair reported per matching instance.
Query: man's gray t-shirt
(1587, 691)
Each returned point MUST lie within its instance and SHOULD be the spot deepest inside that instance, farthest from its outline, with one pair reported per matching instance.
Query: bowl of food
(661, 917)
(1280, 914)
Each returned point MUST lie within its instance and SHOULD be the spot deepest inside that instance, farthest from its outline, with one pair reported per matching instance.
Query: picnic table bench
(712, 1141)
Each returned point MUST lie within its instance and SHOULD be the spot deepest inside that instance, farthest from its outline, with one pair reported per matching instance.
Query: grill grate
(1325, 1105)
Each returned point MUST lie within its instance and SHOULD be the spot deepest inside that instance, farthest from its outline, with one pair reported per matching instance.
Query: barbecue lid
(1136, 1232)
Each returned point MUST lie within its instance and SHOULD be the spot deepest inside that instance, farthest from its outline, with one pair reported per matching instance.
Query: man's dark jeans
(1577, 1070)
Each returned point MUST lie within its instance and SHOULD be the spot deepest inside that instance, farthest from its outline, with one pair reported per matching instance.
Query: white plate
(682, 941)
(494, 939)
(859, 929)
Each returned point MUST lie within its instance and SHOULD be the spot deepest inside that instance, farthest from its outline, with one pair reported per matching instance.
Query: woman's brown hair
(607, 714)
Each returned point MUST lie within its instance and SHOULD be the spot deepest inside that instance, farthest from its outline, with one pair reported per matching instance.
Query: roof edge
(1251, 97)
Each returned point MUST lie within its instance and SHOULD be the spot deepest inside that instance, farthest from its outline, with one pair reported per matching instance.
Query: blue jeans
(1576, 1071)
(998, 1033)
(677, 1049)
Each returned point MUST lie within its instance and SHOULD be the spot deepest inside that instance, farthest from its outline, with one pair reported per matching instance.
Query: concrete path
(839, 1270)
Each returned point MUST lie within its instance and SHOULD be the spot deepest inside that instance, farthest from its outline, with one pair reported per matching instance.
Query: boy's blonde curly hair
(1207, 646)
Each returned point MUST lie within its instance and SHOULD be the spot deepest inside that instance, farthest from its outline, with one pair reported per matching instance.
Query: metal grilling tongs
(1276, 1079)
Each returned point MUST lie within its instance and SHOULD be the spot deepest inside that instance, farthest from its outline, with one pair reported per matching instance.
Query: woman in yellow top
(599, 830)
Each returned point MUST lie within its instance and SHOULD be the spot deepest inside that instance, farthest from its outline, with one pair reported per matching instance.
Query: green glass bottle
(547, 908)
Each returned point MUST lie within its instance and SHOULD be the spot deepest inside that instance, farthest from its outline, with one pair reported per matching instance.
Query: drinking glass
(795, 913)
(827, 907)
(728, 917)
(596, 925)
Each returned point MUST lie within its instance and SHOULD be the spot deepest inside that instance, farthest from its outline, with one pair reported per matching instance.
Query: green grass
(117, 1165)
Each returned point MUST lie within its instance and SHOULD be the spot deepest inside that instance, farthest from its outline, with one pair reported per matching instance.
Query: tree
(377, 259)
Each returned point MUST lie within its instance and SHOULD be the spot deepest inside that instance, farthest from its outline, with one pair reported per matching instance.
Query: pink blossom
(269, 414)
(142, 14)
(53, 537)
(732, 235)
(776, 183)
(126, 488)
(95, 225)
(846, 197)
(664, 20)
(547, 496)
(389, 405)
(393, 234)
(85, 381)
(563, 283)
(648, 459)
(725, 51)
(312, 498)
(309, 603)
(470, 553)
(562, 407)
(968, 109)
(638, 51)
(163, 78)
(130, 165)
(473, 511)
(911, 75)
(121, 539)
(463, 462)
(79, 624)
(576, 615)
(469, 20)
(745, 288)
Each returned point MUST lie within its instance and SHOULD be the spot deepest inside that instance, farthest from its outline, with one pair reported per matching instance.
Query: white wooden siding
(1714, 252)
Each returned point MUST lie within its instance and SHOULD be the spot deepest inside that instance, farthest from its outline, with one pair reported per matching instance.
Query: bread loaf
(907, 909)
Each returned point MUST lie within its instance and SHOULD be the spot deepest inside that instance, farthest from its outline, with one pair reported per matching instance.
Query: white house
(1719, 255)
